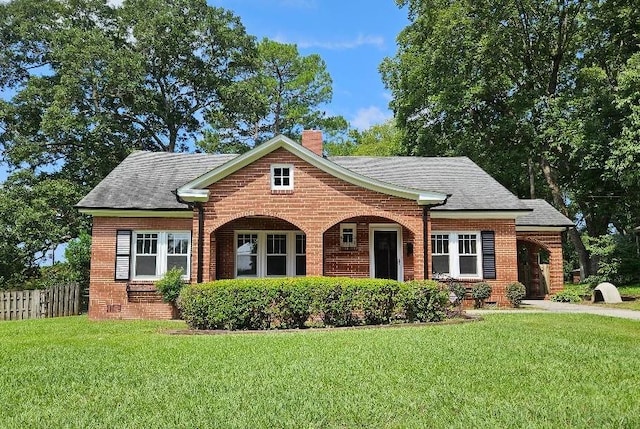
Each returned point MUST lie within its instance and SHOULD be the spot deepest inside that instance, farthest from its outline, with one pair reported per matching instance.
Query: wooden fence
(62, 300)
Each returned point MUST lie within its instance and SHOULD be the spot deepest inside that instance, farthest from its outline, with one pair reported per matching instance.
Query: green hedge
(295, 302)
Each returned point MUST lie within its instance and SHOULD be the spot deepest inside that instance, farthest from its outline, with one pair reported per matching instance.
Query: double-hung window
(270, 254)
(456, 254)
(156, 252)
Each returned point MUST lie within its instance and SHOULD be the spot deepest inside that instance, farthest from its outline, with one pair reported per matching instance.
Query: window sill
(281, 191)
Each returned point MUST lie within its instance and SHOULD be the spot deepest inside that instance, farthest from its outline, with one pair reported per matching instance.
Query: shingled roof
(470, 187)
(543, 214)
(148, 180)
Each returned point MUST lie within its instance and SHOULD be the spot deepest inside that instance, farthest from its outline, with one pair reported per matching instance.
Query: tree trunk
(532, 179)
(586, 264)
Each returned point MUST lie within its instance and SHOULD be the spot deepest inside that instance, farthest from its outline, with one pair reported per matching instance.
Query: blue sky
(352, 36)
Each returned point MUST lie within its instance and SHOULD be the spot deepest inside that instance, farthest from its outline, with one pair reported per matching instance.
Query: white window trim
(372, 260)
(354, 228)
(161, 262)
(275, 187)
(454, 255)
(261, 269)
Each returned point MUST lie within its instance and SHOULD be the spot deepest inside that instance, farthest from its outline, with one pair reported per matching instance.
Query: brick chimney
(312, 140)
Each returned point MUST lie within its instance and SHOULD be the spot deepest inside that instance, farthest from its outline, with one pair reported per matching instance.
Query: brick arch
(534, 241)
(223, 221)
(377, 213)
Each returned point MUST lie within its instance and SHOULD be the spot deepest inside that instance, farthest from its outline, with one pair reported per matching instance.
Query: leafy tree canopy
(533, 91)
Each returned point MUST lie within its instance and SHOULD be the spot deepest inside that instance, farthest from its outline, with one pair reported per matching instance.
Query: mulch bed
(465, 318)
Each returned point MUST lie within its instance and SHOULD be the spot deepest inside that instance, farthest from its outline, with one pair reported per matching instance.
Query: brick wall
(552, 242)
(108, 298)
(506, 250)
(318, 202)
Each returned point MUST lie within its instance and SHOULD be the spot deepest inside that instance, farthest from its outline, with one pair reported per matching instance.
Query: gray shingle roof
(543, 214)
(147, 180)
(471, 188)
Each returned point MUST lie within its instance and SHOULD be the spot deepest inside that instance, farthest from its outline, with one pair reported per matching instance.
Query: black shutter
(123, 254)
(488, 254)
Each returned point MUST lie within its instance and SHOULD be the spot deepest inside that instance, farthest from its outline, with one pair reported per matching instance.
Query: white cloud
(369, 116)
(358, 41)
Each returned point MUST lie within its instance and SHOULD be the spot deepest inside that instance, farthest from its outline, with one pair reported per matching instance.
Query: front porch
(269, 246)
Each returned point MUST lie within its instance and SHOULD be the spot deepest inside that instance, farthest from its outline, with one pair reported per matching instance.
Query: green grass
(510, 370)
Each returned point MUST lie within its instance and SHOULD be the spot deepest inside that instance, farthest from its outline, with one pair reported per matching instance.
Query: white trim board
(525, 228)
(182, 214)
(400, 251)
(464, 214)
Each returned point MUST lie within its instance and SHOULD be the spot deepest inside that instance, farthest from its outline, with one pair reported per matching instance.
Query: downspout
(200, 208)
(200, 240)
(425, 235)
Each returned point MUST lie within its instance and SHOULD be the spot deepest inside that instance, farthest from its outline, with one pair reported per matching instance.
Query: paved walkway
(564, 307)
(536, 306)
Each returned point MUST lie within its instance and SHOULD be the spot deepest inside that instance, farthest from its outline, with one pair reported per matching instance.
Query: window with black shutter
(488, 254)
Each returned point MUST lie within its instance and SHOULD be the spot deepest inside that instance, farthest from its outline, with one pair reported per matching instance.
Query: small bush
(480, 292)
(516, 293)
(291, 302)
(566, 296)
(170, 285)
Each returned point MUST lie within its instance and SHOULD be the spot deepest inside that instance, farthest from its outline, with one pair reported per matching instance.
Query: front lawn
(510, 370)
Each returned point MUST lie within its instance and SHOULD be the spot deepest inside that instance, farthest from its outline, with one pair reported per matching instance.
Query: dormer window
(281, 177)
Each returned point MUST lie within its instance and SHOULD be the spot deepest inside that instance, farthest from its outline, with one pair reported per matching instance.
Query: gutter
(425, 235)
(200, 207)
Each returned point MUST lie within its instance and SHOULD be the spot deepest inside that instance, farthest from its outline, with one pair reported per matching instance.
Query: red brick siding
(506, 250)
(551, 241)
(318, 202)
(105, 293)
(354, 262)
(225, 245)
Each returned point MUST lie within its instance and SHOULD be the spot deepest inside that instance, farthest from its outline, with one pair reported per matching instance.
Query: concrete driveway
(563, 307)
(542, 306)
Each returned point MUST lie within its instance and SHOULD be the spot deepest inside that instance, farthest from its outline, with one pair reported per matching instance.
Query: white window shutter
(123, 254)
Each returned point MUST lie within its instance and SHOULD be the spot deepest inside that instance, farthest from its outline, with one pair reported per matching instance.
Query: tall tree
(92, 83)
(286, 96)
(526, 88)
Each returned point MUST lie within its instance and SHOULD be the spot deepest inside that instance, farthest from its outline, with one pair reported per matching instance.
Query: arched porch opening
(257, 246)
(369, 247)
(533, 268)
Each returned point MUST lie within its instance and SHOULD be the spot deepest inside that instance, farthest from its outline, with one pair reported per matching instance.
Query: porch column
(315, 253)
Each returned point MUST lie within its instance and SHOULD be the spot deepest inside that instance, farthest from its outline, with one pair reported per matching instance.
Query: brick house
(282, 209)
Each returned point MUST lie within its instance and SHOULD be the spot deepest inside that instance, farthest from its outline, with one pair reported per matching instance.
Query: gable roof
(150, 180)
(543, 215)
(195, 190)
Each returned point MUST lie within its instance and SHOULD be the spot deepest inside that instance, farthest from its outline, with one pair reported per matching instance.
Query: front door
(386, 258)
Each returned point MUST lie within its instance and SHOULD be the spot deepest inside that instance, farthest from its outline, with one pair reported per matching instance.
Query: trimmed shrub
(480, 292)
(516, 293)
(566, 296)
(290, 302)
(422, 301)
(170, 285)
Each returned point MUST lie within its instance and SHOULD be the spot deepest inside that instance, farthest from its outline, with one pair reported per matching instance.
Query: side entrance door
(385, 248)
